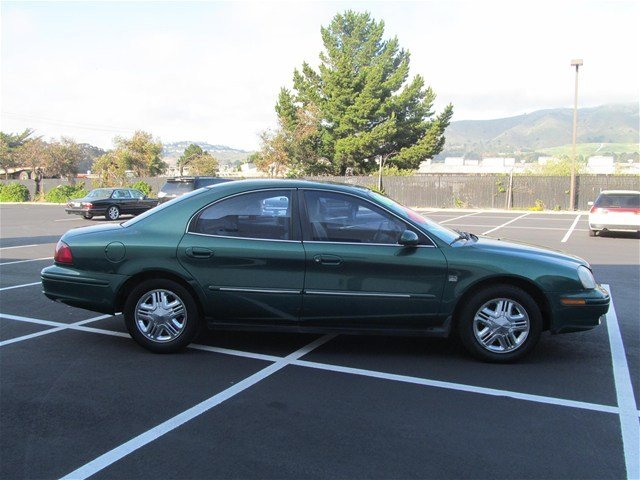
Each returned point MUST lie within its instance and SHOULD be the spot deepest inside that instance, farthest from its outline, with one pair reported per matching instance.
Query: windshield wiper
(464, 236)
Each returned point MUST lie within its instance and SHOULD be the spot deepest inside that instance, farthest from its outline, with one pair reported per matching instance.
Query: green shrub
(395, 171)
(14, 192)
(538, 207)
(62, 193)
(144, 187)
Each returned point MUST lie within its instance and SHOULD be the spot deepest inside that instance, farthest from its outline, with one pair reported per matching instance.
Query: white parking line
(18, 246)
(505, 224)
(60, 327)
(459, 387)
(573, 225)
(20, 286)
(518, 227)
(337, 368)
(80, 327)
(629, 426)
(149, 436)
(461, 216)
(68, 219)
(25, 261)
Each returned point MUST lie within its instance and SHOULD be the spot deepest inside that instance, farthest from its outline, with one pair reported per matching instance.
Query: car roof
(245, 185)
(619, 192)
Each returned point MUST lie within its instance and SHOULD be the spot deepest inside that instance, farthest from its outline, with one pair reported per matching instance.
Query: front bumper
(84, 211)
(97, 292)
(578, 318)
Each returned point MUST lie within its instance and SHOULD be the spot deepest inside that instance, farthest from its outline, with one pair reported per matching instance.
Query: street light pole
(572, 190)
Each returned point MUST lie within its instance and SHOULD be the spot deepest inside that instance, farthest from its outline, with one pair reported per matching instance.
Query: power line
(67, 123)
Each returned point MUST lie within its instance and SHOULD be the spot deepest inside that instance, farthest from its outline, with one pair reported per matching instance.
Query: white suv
(616, 210)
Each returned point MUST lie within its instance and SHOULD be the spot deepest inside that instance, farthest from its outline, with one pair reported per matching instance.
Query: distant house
(600, 164)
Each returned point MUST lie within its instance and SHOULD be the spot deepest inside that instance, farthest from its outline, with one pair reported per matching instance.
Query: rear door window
(262, 215)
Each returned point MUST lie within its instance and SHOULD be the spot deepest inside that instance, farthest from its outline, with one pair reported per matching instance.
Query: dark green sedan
(312, 257)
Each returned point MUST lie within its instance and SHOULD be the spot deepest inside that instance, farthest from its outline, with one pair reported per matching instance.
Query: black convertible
(111, 202)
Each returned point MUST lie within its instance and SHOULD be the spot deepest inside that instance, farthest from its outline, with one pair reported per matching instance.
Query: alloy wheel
(160, 315)
(501, 325)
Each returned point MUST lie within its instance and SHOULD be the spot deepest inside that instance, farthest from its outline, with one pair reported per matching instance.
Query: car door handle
(327, 259)
(198, 252)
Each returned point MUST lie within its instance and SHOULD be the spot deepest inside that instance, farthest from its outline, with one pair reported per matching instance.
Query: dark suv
(175, 187)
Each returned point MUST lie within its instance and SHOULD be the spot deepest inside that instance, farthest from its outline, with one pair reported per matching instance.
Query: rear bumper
(614, 221)
(614, 226)
(72, 287)
(578, 318)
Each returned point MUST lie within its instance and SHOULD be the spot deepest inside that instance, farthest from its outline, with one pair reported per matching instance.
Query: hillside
(544, 129)
(226, 155)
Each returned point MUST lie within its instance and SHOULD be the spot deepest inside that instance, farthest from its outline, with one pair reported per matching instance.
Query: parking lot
(79, 398)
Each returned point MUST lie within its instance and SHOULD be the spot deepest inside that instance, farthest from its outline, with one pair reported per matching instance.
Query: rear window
(177, 188)
(618, 200)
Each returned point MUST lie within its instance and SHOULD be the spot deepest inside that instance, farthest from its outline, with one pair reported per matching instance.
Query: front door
(246, 253)
(357, 273)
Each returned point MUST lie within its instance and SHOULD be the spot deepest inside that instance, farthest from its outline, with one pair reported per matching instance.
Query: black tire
(191, 317)
(484, 298)
(113, 212)
(88, 216)
(592, 233)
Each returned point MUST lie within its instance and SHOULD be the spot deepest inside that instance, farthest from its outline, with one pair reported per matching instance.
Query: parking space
(79, 397)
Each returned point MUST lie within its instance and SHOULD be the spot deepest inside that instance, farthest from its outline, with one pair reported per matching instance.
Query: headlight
(586, 277)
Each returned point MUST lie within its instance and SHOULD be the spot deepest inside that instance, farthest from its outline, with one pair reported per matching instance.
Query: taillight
(598, 210)
(63, 254)
(87, 205)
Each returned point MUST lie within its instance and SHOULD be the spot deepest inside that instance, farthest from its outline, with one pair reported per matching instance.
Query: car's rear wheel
(88, 216)
(161, 315)
(500, 324)
(593, 233)
(113, 212)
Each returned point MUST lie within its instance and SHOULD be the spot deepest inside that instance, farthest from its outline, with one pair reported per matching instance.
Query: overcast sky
(211, 71)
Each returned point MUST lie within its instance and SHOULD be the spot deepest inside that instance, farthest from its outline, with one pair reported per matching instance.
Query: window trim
(295, 224)
(304, 221)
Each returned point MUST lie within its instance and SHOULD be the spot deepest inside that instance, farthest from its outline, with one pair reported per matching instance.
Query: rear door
(357, 273)
(248, 258)
(124, 200)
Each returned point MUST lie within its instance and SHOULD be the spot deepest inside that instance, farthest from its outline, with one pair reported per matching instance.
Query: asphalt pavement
(79, 397)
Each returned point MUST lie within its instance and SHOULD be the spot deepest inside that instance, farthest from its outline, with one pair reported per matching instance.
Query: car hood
(109, 227)
(525, 250)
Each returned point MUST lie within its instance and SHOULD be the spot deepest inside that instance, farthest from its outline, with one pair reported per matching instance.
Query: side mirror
(409, 238)
(590, 204)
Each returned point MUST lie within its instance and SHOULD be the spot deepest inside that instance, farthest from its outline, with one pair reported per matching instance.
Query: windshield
(100, 193)
(177, 188)
(161, 207)
(429, 225)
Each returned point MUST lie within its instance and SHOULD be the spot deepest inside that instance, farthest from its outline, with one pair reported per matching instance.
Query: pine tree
(366, 111)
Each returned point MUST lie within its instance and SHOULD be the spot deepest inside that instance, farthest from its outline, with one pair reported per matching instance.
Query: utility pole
(572, 190)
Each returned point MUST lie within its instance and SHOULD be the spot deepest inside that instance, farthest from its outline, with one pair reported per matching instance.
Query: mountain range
(543, 129)
(226, 155)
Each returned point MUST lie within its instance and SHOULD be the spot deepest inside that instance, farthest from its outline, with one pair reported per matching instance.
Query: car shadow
(610, 234)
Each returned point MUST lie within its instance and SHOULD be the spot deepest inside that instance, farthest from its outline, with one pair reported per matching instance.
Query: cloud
(212, 71)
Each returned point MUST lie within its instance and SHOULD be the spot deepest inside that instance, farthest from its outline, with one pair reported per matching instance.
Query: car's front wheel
(501, 323)
(113, 212)
(161, 315)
